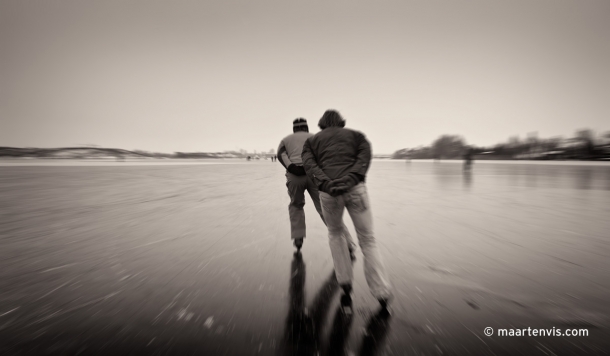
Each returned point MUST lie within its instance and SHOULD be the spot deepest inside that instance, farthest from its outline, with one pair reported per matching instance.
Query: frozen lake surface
(189, 258)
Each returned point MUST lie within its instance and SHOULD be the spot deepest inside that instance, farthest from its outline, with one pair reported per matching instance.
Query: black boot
(298, 242)
(385, 306)
(346, 300)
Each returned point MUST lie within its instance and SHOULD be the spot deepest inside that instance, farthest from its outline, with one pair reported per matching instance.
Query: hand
(325, 186)
(345, 183)
(329, 187)
(296, 170)
(338, 189)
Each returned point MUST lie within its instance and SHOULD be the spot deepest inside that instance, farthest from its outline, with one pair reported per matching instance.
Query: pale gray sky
(220, 75)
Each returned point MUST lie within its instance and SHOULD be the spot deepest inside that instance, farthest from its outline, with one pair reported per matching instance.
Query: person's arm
(358, 170)
(363, 156)
(314, 172)
(282, 156)
(287, 163)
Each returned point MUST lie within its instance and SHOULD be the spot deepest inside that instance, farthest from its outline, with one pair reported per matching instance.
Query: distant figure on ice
(468, 159)
(289, 155)
(337, 160)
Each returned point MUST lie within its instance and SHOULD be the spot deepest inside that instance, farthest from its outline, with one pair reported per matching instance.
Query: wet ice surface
(197, 259)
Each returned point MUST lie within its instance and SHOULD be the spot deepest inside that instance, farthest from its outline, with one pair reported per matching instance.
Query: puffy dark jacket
(336, 152)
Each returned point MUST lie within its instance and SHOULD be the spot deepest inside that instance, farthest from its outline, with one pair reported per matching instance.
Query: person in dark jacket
(337, 159)
(289, 155)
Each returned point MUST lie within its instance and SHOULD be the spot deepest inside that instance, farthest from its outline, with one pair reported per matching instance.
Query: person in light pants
(337, 159)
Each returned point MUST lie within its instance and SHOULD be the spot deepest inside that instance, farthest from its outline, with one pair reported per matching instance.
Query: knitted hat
(299, 122)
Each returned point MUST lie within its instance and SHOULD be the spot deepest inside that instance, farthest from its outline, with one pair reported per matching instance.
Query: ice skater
(337, 160)
(289, 155)
(468, 159)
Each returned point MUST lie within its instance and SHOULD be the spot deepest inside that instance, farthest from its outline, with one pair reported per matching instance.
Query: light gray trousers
(356, 202)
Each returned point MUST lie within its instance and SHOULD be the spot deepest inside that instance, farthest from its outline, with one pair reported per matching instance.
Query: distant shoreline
(106, 162)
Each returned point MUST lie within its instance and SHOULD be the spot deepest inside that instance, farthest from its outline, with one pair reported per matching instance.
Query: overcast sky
(221, 75)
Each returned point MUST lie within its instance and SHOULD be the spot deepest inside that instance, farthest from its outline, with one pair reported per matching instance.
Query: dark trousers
(297, 185)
